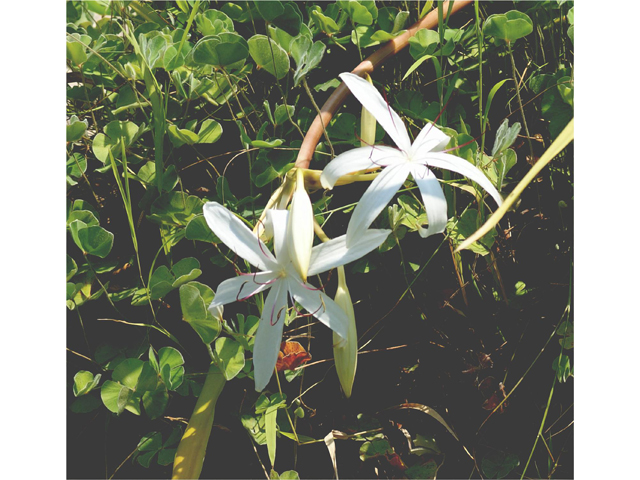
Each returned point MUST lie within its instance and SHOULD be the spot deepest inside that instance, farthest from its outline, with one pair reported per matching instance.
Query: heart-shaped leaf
(213, 22)
(508, 26)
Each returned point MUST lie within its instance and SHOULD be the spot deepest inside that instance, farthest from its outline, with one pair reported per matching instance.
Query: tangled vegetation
(195, 150)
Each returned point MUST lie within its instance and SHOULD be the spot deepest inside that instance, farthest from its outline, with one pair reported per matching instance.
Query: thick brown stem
(368, 65)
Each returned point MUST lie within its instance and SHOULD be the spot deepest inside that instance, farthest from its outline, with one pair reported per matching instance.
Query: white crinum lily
(279, 274)
(397, 163)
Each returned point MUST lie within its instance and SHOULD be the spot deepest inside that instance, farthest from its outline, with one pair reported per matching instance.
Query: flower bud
(345, 352)
(367, 125)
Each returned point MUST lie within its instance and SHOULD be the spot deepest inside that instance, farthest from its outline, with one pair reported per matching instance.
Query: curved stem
(368, 65)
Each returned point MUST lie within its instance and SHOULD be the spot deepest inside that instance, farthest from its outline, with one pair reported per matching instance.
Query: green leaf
(170, 356)
(84, 382)
(223, 50)
(76, 165)
(270, 429)
(148, 379)
(280, 114)
(289, 475)
(423, 43)
(231, 356)
(72, 268)
(466, 225)
(175, 208)
(197, 229)
(359, 11)
(166, 456)
(324, 23)
(127, 372)
(213, 22)
(180, 136)
(375, 448)
(210, 131)
(117, 398)
(306, 56)
(93, 240)
(508, 26)
(76, 129)
(194, 301)
(499, 464)
(76, 50)
(505, 136)
(155, 402)
(186, 270)
(269, 55)
(284, 15)
(562, 366)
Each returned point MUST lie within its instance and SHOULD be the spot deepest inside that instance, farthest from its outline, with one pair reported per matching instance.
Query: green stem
(480, 41)
(515, 79)
(194, 10)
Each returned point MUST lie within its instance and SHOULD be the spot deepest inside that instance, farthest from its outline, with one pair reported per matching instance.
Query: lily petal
(371, 99)
(241, 287)
(237, 236)
(461, 166)
(276, 223)
(362, 158)
(321, 306)
(335, 252)
(434, 200)
(430, 139)
(269, 335)
(377, 196)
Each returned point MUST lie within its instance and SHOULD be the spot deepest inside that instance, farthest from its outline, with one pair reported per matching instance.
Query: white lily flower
(397, 163)
(279, 274)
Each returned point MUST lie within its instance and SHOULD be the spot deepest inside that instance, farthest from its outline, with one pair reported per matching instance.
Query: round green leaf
(127, 372)
(155, 402)
(213, 22)
(194, 300)
(210, 131)
(509, 26)
(76, 129)
(221, 50)
(231, 355)
(197, 229)
(269, 55)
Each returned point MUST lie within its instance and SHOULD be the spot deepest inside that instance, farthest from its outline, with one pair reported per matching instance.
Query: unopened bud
(345, 352)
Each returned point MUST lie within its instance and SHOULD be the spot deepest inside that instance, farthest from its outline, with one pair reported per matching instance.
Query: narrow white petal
(276, 222)
(435, 204)
(300, 231)
(335, 252)
(377, 196)
(320, 306)
(269, 335)
(237, 236)
(362, 158)
(241, 288)
(371, 99)
(430, 139)
(461, 166)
